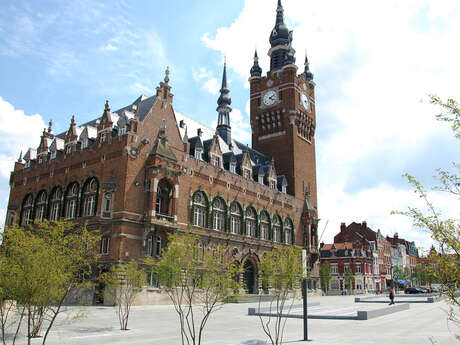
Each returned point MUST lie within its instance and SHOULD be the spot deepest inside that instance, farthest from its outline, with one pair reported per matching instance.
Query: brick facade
(140, 172)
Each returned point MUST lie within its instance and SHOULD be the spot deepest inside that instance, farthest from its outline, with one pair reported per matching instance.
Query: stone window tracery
(40, 207)
(277, 229)
(235, 214)
(90, 198)
(199, 210)
(55, 206)
(27, 210)
(264, 226)
(219, 214)
(71, 201)
(251, 222)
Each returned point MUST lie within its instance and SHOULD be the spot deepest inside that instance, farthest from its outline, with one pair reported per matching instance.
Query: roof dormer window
(272, 184)
(40, 160)
(260, 179)
(27, 164)
(198, 154)
(283, 189)
(53, 155)
(215, 161)
(122, 131)
(84, 144)
(103, 137)
(233, 168)
(246, 174)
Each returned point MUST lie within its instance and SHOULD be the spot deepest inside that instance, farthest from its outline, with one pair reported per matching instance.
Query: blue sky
(374, 64)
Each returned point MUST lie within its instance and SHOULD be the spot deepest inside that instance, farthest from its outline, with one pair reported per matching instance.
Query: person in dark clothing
(392, 297)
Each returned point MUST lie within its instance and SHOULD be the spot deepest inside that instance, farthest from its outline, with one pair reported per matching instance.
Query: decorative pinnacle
(167, 75)
(279, 13)
(72, 120)
(50, 125)
(307, 72)
(256, 71)
(224, 77)
(107, 108)
(20, 157)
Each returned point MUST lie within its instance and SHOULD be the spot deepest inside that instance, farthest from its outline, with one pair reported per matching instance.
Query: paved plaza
(423, 323)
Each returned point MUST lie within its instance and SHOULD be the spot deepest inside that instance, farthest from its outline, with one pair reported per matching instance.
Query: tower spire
(224, 109)
(281, 52)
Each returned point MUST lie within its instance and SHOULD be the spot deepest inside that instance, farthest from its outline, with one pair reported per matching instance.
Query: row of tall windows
(218, 219)
(62, 204)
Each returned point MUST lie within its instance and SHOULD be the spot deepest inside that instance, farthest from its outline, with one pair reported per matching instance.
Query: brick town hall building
(146, 170)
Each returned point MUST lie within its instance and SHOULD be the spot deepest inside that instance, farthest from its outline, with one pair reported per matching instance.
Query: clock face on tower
(305, 101)
(269, 98)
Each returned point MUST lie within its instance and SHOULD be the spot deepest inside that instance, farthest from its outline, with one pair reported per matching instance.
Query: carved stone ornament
(132, 152)
(110, 184)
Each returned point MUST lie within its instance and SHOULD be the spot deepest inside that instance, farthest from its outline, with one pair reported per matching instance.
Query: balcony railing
(164, 217)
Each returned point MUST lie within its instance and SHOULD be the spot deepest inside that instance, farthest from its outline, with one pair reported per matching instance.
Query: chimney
(396, 235)
(199, 132)
(342, 227)
(321, 245)
(364, 224)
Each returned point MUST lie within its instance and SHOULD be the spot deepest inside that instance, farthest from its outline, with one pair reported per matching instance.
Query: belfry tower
(283, 118)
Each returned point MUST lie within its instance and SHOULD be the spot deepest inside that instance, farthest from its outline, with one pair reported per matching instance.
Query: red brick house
(357, 256)
(146, 170)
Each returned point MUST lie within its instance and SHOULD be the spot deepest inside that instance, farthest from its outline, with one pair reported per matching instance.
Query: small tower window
(103, 137)
(68, 149)
(198, 155)
(215, 161)
(233, 168)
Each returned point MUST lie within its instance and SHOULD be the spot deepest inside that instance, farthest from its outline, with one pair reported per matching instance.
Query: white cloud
(211, 86)
(17, 132)
(109, 47)
(373, 63)
(138, 87)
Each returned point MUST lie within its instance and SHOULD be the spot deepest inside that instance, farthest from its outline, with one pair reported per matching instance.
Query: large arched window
(71, 198)
(288, 231)
(164, 193)
(89, 200)
(264, 225)
(235, 218)
(277, 229)
(200, 206)
(27, 206)
(218, 214)
(251, 222)
(40, 206)
(55, 203)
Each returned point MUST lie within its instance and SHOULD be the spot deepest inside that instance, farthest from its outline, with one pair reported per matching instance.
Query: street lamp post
(304, 295)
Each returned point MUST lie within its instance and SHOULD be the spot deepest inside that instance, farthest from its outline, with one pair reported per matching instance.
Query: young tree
(325, 276)
(124, 282)
(39, 267)
(444, 231)
(349, 280)
(198, 282)
(282, 272)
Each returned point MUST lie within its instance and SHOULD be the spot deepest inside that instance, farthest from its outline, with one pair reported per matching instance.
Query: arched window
(90, 198)
(264, 225)
(40, 206)
(71, 201)
(277, 229)
(200, 205)
(235, 215)
(27, 206)
(218, 214)
(288, 231)
(163, 198)
(251, 222)
(55, 203)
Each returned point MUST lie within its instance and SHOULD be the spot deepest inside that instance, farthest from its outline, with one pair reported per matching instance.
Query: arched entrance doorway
(249, 277)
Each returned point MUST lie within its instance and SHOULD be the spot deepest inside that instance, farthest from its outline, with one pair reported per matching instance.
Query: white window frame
(358, 267)
(215, 161)
(198, 154)
(233, 168)
(68, 149)
(334, 269)
(105, 245)
(246, 174)
(260, 179)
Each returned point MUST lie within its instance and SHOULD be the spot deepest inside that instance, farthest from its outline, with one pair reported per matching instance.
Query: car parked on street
(412, 290)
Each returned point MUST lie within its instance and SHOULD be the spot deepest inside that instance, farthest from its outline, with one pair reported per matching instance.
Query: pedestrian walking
(392, 297)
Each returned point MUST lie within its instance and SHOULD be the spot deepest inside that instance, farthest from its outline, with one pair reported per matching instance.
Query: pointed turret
(307, 72)
(20, 157)
(224, 109)
(256, 71)
(281, 52)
